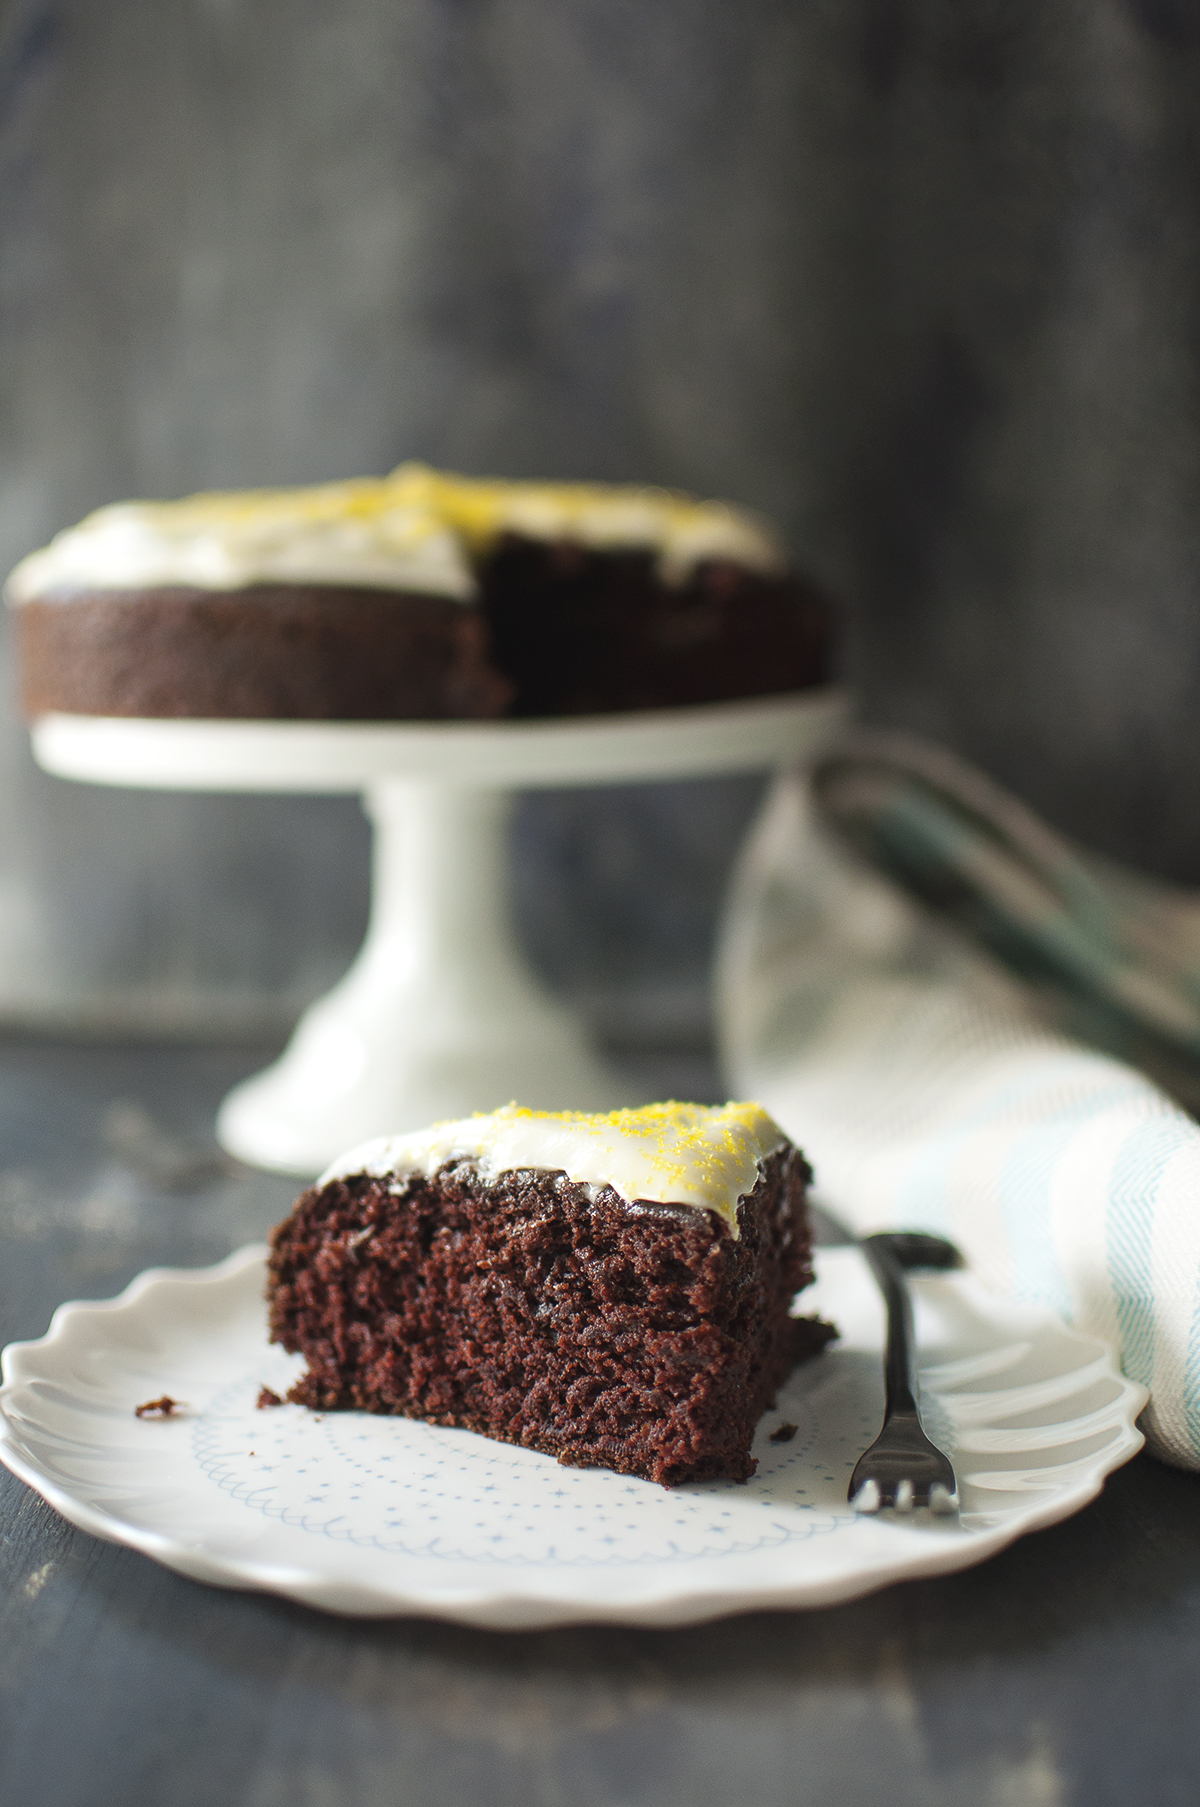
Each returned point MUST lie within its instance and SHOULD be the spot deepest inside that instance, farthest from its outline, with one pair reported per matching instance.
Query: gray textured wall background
(918, 277)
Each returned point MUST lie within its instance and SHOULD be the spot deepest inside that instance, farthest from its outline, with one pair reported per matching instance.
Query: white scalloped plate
(369, 1515)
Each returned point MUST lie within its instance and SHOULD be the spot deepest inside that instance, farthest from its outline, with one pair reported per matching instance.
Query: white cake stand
(439, 1015)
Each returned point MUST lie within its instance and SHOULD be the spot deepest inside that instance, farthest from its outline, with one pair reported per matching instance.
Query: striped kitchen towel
(932, 1083)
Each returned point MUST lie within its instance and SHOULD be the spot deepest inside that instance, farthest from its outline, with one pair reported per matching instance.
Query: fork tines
(871, 1497)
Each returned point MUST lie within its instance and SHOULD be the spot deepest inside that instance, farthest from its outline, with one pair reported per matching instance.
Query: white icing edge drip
(135, 545)
(593, 1152)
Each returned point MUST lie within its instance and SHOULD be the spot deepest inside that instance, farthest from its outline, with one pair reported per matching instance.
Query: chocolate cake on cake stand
(439, 1015)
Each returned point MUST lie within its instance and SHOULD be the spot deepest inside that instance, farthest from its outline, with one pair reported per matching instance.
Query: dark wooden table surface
(1066, 1670)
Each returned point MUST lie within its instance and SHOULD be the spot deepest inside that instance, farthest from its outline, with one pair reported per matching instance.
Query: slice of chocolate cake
(613, 1290)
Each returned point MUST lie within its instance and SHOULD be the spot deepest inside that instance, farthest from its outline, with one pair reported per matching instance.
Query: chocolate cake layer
(639, 1337)
(584, 632)
(558, 630)
(272, 651)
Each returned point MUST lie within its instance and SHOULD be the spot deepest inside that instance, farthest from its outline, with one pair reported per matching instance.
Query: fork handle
(901, 1386)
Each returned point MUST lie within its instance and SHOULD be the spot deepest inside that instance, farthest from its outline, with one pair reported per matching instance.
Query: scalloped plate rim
(491, 1605)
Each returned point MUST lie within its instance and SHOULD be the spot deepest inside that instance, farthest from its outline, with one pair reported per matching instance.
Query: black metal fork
(902, 1468)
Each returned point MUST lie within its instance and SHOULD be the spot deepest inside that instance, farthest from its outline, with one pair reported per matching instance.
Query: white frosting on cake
(680, 530)
(706, 1157)
(340, 533)
(416, 530)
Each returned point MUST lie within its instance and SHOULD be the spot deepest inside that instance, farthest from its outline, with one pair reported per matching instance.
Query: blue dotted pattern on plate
(414, 1489)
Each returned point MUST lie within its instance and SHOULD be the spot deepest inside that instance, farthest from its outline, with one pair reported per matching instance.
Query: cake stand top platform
(700, 741)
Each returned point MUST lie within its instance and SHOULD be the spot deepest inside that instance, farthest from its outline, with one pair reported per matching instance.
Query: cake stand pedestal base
(439, 1015)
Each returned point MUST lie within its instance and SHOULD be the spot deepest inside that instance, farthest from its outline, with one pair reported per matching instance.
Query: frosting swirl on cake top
(416, 530)
(706, 1157)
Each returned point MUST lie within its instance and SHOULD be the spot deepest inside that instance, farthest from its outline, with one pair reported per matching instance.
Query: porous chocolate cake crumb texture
(636, 1336)
(584, 633)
